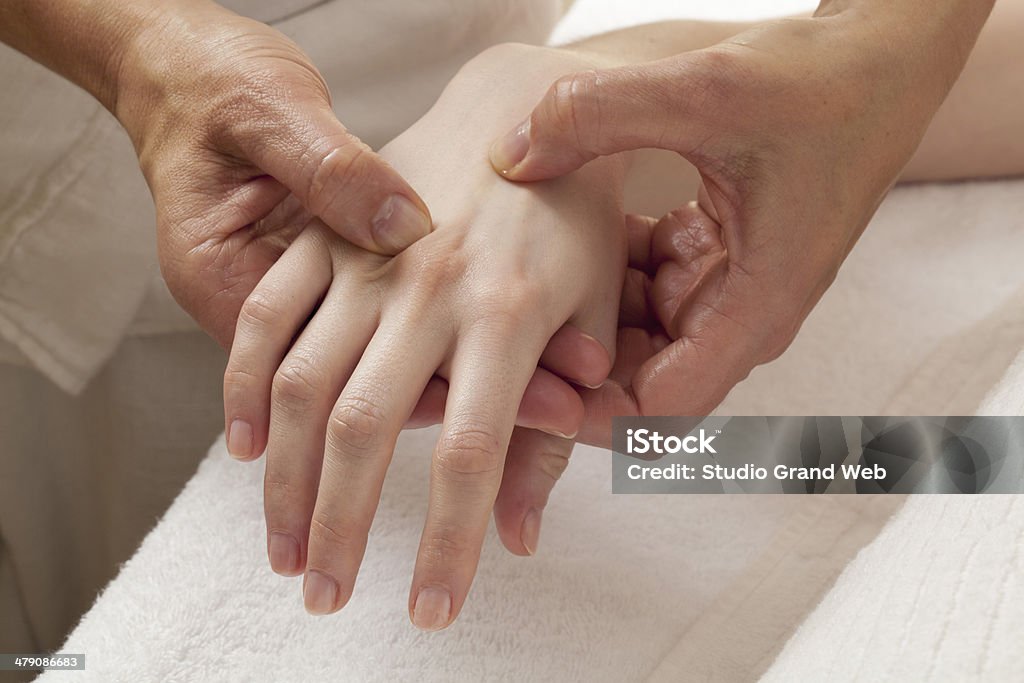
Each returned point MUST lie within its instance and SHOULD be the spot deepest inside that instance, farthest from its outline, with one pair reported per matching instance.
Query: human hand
(476, 302)
(798, 129)
(236, 137)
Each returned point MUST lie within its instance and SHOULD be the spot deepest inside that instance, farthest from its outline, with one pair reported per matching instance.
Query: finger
(467, 467)
(634, 306)
(360, 440)
(338, 178)
(594, 113)
(305, 387)
(211, 263)
(549, 405)
(534, 464)
(269, 319)
(639, 230)
(689, 248)
(577, 356)
(725, 332)
(429, 408)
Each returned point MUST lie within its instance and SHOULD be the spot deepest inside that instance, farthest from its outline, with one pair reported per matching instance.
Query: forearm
(93, 42)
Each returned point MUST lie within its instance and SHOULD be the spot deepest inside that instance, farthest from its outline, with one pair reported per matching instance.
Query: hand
(235, 134)
(480, 302)
(798, 129)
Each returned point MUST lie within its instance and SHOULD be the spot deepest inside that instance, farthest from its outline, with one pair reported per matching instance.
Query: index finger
(489, 374)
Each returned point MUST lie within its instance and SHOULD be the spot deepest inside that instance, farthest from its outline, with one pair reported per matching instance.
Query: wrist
(153, 59)
(928, 39)
(523, 73)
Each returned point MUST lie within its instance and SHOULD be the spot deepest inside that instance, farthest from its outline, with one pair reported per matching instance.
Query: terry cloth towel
(938, 596)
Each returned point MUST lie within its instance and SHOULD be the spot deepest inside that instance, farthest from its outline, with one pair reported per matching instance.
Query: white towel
(938, 596)
(624, 587)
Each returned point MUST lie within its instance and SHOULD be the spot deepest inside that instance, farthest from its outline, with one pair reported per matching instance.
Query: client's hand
(476, 302)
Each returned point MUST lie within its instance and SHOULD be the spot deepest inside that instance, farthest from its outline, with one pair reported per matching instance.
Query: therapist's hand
(798, 129)
(235, 134)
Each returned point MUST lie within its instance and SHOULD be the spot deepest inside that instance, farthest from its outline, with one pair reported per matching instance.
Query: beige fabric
(108, 394)
(75, 206)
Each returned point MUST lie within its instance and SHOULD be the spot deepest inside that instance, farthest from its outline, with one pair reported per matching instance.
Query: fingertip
(508, 152)
(530, 531)
(551, 406)
(239, 439)
(578, 357)
(594, 363)
(432, 609)
(399, 222)
(321, 594)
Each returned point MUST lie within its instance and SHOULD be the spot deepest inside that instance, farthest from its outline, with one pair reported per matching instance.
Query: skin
(230, 120)
(475, 303)
(791, 169)
(235, 135)
(671, 257)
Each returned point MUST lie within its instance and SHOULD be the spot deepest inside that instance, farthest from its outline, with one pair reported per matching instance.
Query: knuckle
(237, 378)
(297, 384)
(510, 307)
(575, 106)
(259, 311)
(355, 427)
(324, 531)
(278, 494)
(470, 452)
(430, 278)
(714, 75)
(553, 462)
(446, 547)
(338, 168)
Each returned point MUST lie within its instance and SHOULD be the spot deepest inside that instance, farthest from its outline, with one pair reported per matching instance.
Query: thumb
(341, 180)
(595, 113)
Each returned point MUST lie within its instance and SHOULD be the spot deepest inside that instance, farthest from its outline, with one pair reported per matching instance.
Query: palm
(667, 294)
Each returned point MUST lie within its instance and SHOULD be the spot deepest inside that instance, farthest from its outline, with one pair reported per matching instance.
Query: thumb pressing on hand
(341, 180)
(600, 112)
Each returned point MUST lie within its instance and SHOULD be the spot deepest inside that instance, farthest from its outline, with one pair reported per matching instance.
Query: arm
(234, 131)
(797, 127)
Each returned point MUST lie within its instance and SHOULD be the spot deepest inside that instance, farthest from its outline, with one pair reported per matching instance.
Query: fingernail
(510, 150)
(530, 533)
(432, 610)
(284, 553)
(320, 592)
(399, 223)
(560, 435)
(240, 440)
